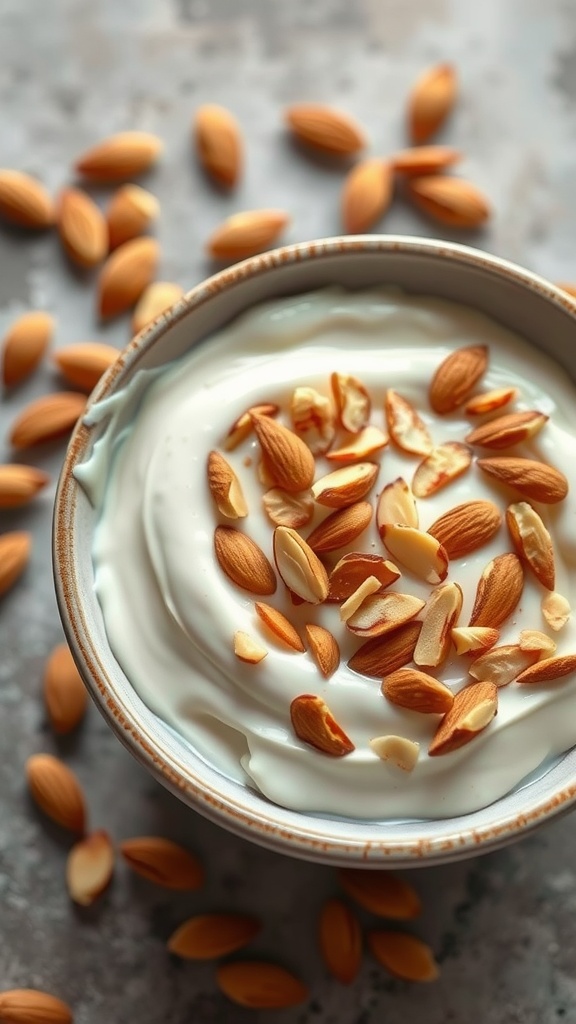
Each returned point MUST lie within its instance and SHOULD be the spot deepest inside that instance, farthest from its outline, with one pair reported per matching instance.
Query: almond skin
(156, 299)
(458, 727)
(381, 893)
(385, 654)
(314, 724)
(15, 548)
(130, 213)
(341, 527)
(404, 956)
(324, 648)
(354, 568)
(243, 561)
(24, 345)
(291, 461)
(505, 431)
(326, 129)
(30, 1006)
(549, 669)
(499, 591)
(163, 862)
(340, 941)
(417, 691)
(531, 479)
(65, 695)
(47, 419)
(219, 144)
(120, 156)
(366, 195)
(24, 201)
(125, 275)
(56, 791)
(246, 233)
(424, 159)
(532, 541)
(456, 377)
(211, 936)
(466, 527)
(20, 484)
(82, 228)
(260, 986)
(346, 485)
(84, 364)
(452, 201)
(89, 868)
(280, 626)
(431, 100)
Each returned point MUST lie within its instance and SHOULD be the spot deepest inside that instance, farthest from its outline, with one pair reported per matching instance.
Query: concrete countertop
(503, 926)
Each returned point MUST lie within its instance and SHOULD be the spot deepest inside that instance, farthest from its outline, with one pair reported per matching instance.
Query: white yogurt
(171, 614)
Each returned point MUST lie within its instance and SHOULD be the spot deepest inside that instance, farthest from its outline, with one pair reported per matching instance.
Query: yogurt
(171, 614)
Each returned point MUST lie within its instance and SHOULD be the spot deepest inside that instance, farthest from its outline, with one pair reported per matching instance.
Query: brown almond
(341, 527)
(474, 639)
(502, 664)
(131, 211)
(279, 625)
(340, 940)
(346, 485)
(353, 403)
(382, 613)
(313, 723)
(84, 364)
(47, 419)
(405, 956)
(155, 300)
(260, 986)
(24, 345)
(15, 547)
(407, 428)
(20, 484)
(549, 669)
(162, 861)
(396, 505)
(452, 201)
(535, 640)
(417, 691)
(120, 156)
(532, 541)
(290, 460)
(219, 143)
(354, 568)
(89, 868)
(489, 401)
(466, 527)
(211, 936)
(299, 567)
(368, 442)
(366, 195)
(247, 649)
(457, 376)
(499, 591)
(396, 750)
(381, 893)
(65, 695)
(313, 419)
(82, 228)
(431, 100)
(441, 615)
(444, 465)
(473, 709)
(424, 159)
(243, 426)
(323, 647)
(24, 201)
(56, 791)
(125, 275)
(417, 551)
(531, 479)
(555, 610)
(30, 1006)
(324, 128)
(283, 509)
(505, 431)
(243, 561)
(246, 233)
(385, 654)
(225, 487)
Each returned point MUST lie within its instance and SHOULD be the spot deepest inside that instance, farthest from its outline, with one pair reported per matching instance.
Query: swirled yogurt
(171, 614)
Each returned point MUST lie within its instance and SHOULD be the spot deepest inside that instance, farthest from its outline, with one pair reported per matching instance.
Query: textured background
(71, 71)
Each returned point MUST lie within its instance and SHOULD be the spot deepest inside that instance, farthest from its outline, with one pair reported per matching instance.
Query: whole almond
(313, 419)
(84, 364)
(456, 377)
(82, 228)
(243, 425)
(225, 487)
(65, 695)
(424, 159)
(532, 541)
(47, 419)
(246, 233)
(501, 665)
(346, 485)
(326, 129)
(440, 618)
(366, 195)
(30, 1006)
(219, 143)
(243, 561)
(24, 345)
(24, 201)
(452, 201)
(15, 548)
(299, 567)
(156, 299)
(381, 893)
(396, 506)
(313, 723)
(89, 868)
(499, 591)
(382, 613)
(353, 403)
(431, 100)
(162, 861)
(260, 986)
(556, 610)
(19, 484)
(279, 625)
(290, 460)
(396, 750)
(247, 649)
(473, 709)
(341, 527)
(211, 936)
(407, 428)
(531, 479)
(340, 940)
(419, 552)
(130, 213)
(120, 156)
(354, 568)
(466, 527)
(323, 647)
(505, 431)
(417, 691)
(56, 791)
(444, 464)
(385, 654)
(365, 444)
(405, 956)
(284, 509)
(125, 275)
(549, 669)
(489, 401)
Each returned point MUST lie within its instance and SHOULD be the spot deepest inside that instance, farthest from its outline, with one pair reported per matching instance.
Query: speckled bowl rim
(306, 836)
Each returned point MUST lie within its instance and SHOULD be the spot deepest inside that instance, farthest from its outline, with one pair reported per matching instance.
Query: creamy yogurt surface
(171, 614)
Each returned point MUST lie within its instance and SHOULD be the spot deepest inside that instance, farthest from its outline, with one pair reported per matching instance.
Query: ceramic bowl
(516, 298)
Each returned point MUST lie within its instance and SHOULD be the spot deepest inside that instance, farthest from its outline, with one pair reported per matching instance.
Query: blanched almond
(381, 893)
(531, 479)
(452, 201)
(354, 568)
(260, 986)
(499, 591)
(89, 868)
(341, 527)
(290, 460)
(441, 615)
(371, 585)
(385, 654)
(505, 431)
(313, 419)
(473, 709)
(363, 445)
(534, 640)
(211, 936)
(219, 143)
(243, 561)
(366, 195)
(532, 541)
(279, 625)
(407, 428)
(549, 669)
(130, 213)
(24, 345)
(225, 487)
(246, 648)
(489, 401)
(156, 299)
(396, 506)
(457, 376)
(324, 648)
(56, 791)
(15, 547)
(283, 509)
(30, 1006)
(84, 364)
(472, 639)
(47, 418)
(314, 724)
(425, 159)
(419, 552)
(246, 233)
(405, 956)
(340, 938)
(82, 228)
(382, 613)
(466, 527)
(243, 426)
(501, 665)
(346, 485)
(120, 156)
(20, 484)
(162, 861)
(398, 750)
(325, 128)
(125, 275)
(24, 201)
(444, 464)
(431, 99)
(299, 568)
(353, 403)
(65, 695)
(556, 610)
(417, 691)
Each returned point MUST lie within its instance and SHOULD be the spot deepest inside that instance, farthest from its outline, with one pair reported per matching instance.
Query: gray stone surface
(71, 71)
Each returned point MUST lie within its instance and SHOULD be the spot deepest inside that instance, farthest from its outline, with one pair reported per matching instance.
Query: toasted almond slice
(407, 428)
(419, 552)
(219, 143)
(290, 460)
(354, 568)
(163, 862)
(294, 510)
(89, 868)
(279, 625)
(345, 486)
(466, 527)
(366, 195)
(457, 376)
(532, 541)
(441, 615)
(225, 487)
(396, 505)
(83, 365)
(313, 419)
(130, 213)
(499, 591)
(398, 750)
(126, 273)
(24, 201)
(473, 709)
(243, 426)
(246, 648)
(20, 484)
(431, 99)
(353, 404)
(489, 401)
(556, 610)
(325, 128)
(382, 613)
(243, 561)
(444, 464)
(473, 639)
(340, 938)
(24, 345)
(403, 955)
(531, 479)
(341, 527)
(425, 159)
(505, 431)
(47, 418)
(452, 201)
(549, 669)
(369, 586)
(323, 647)
(314, 724)
(417, 691)
(381, 893)
(56, 790)
(246, 233)
(300, 569)
(534, 640)
(260, 986)
(30, 1006)
(120, 156)
(65, 695)
(15, 547)
(211, 936)
(501, 665)
(385, 654)
(82, 228)
(155, 300)
(366, 443)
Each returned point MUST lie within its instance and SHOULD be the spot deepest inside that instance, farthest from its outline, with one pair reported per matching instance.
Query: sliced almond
(120, 156)
(425, 159)
(371, 585)
(131, 211)
(24, 201)
(299, 568)
(324, 648)
(283, 509)
(532, 541)
(345, 486)
(431, 99)
(15, 547)
(452, 201)
(155, 300)
(466, 527)
(405, 956)
(353, 403)
(219, 143)
(419, 552)
(65, 695)
(441, 615)
(417, 691)
(501, 665)
(398, 750)
(457, 376)
(225, 487)
(56, 791)
(352, 569)
(279, 625)
(314, 724)
(382, 613)
(47, 419)
(556, 610)
(89, 868)
(505, 431)
(264, 473)
(30, 1006)
(385, 654)
(247, 649)
(531, 479)
(444, 464)
(211, 936)
(381, 893)
(82, 228)
(534, 640)
(246, 233)
(473, 709)
(366, 195)
(243, 561)
(290, 460)
(341, 527)
(499, 591)
(490, 401)
(363, 445)
(260, 986)
(20, 484)
(549, 669)
(340, 938)
(163, 862)
(313, 419)
(396, 506)
(24, 345)
(407, 428)
(125, 275)
(474, 639)
(325, 128)
(243, 426)
(84, 364)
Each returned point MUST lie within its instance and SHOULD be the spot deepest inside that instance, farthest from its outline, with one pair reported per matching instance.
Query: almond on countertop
(354, 568)
(24, 345)
(499, 591)
(505, 431)
(156, 299)
(466, 527)
(246, 233)
(243, 561)
(417, 551)
(452, 201)
(120, 156)
(211, 936)
(341, 527)
(299, 567)
(405, 956)
(20, 484)
(431, 100)
(532, 541)
(456, 377)
(473, 709)
(396, 506)
(444, 464)
(417, 691)
(385, 654)
(530, 478)
(24, 201)
(407, 428)
(84, 364)
(82, 228)
(56, 791)
(89, 868)
(381, 893)
(219, 143)
(424, 159)
(47, 419)
(131, 211)
(340, 940)
(15, 547)
(366, 195)
(31, 1006)
(163, 862)
(501, 665)
(260, 986)
(325, 128)
(65, 695)
(225, 487)
(314, 724)
(126, 273)
(290, 460)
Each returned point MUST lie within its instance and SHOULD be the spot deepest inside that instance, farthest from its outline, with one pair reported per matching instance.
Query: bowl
(517, 299)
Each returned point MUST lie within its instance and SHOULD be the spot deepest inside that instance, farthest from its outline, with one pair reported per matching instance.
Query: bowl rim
(266, 828)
